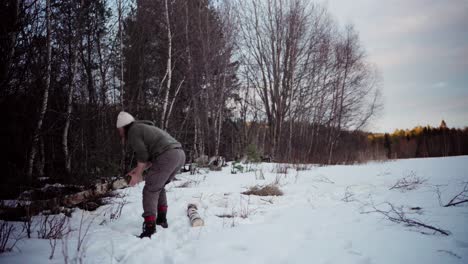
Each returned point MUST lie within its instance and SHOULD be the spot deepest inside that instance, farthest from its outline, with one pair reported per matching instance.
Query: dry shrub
(8, 236)
(259, 175)
(409, 182)
(116, 209)
(268, 190)
(53, 227)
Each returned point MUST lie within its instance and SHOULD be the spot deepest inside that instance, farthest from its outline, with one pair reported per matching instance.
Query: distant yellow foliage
(416, 131)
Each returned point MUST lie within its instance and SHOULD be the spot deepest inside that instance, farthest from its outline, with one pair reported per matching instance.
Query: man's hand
(135, 177)
(136, 173)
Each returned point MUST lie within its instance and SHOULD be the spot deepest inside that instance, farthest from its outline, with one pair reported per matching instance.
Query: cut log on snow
(29, 207)
(119, 184)
(216, 163)
(194, 217)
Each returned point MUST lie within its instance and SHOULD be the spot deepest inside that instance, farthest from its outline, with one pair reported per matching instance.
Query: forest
(281, 77)
(422, 142)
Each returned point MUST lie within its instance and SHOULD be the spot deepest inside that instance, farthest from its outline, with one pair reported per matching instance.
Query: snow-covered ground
(312, 222)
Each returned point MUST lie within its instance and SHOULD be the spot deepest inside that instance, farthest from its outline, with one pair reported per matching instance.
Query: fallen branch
(460, 198)
(397, 215)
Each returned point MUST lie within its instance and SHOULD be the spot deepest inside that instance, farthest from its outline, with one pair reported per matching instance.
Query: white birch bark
(45, 99)
(194, 217)
(168, 70)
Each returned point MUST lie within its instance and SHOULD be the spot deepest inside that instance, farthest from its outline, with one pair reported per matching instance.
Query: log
(216, 163)
(120, 184)
(194, 217)
(28, 208)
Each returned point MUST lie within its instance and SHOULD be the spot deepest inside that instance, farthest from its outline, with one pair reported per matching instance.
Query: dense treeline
(422, 142)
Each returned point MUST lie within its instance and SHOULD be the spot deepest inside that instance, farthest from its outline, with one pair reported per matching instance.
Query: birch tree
(45, 97)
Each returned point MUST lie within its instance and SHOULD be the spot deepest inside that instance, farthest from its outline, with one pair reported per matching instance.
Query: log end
(197, 222)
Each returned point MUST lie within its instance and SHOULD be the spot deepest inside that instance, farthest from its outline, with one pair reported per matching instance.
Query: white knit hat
(124, 119)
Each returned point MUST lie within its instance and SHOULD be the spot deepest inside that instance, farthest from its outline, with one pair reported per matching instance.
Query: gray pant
(163, 170)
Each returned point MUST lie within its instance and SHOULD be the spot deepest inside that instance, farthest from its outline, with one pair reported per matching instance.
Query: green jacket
(148, 141)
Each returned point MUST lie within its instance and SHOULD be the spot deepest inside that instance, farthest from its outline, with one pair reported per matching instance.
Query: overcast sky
(421, 49)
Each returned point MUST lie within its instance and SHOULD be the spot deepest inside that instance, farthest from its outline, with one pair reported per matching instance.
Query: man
(159, 152)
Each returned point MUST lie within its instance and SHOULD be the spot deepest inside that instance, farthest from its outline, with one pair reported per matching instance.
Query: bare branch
(397, 215)
(348, 196)
(461, 197)
(409, 182)
(53, 227)
(8, 236)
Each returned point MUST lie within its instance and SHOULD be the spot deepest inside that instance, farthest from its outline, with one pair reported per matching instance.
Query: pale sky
(421, 49)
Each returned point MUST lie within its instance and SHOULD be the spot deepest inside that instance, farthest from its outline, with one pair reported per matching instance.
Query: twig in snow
(397, 215)
(460, 198)
(348, 196)
(439, 194)
(116, 211)
(267, 200)
(409, 182)
(449, 253)
(322, 178)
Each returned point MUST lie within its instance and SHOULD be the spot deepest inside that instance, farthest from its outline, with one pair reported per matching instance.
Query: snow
(311, 223)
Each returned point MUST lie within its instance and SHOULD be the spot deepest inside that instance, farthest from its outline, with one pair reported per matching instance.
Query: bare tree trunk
(41, 164)
(71, 85)
(122, 150)
(168, 69)
(166, 125)
(218, 132)
(290, 140)
(121, 57)
(8, 38)
(195, 140)
(45, 99)
(103, 69)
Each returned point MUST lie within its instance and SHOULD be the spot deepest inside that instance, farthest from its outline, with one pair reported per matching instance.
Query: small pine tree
(252, 153)
(443, 125)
